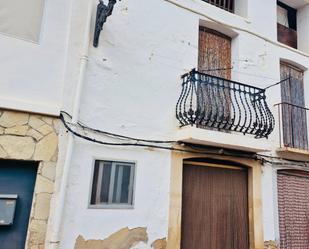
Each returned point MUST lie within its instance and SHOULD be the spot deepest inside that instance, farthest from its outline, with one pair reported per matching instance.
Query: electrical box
(7, 209)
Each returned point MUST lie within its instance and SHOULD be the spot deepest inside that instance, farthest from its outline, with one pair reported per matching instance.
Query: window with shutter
(294, 120)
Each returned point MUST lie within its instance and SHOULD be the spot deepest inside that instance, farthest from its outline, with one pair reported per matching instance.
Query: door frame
(255, 218)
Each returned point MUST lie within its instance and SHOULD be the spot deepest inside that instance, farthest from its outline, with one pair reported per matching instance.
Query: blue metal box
(7, 209)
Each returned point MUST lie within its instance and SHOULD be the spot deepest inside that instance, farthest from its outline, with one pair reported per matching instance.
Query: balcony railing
(216, 103)
(227, 5)
(293, 129)
(287, 36)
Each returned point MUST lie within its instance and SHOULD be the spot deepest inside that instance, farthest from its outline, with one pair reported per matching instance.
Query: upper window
(287, 24)
(113, 184)
(294, 114)
(227, 5)
(21, 19)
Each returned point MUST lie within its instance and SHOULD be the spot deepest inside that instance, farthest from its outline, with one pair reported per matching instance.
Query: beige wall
(255, 199)
(33, 137)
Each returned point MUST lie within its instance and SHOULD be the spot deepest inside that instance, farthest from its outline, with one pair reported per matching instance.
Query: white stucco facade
(131, 87)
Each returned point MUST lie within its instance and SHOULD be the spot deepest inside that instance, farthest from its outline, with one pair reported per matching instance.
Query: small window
(287, 24)
(113, 184)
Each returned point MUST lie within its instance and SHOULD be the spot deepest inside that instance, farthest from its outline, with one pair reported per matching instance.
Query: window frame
(288, 35)
(291, 15)
(133, 165)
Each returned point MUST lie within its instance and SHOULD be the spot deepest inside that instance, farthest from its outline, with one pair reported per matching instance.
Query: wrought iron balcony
(208, 101)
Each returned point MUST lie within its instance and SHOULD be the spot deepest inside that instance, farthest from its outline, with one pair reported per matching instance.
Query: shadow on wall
(123, 239)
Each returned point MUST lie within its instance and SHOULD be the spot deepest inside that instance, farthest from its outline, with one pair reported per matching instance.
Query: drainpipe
(60, 201)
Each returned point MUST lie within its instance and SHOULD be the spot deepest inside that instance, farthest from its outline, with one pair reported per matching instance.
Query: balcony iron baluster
(271, 118)
(261, 125)
(233, 106)
(233, 112)
(208, 110)
(226, 94)
(257, 119)
(214, 100)
(186, 95)
(239, 110)
(226, 104)
(201, 99)
(179, 114)
(250, 111)
(242, 93)
(221, 104)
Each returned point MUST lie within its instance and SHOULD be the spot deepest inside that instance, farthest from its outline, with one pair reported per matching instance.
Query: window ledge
(99, 206)
(289, 150)
(235, 141)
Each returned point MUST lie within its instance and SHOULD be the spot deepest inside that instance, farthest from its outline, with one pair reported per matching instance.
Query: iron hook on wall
(103, 11)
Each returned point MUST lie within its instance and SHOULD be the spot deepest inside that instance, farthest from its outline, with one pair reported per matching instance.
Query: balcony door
(214, 53)
(214, 99)
(294, 120)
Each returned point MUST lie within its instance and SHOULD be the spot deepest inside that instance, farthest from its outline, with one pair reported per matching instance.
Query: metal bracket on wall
(103, 11)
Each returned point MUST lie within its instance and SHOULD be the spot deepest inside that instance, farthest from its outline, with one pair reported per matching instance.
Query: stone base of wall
(25, 136)
(270, 245)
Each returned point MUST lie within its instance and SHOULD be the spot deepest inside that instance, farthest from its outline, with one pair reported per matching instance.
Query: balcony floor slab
(235, 141)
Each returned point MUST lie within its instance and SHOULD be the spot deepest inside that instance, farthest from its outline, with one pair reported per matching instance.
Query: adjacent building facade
(33, 44)
(185, 127)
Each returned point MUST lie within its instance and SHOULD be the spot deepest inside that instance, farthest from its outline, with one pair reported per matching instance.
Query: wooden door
(17, 178)
(214, 208)
(294, 120)
(214, 58)
(293, 204)
(214, 53)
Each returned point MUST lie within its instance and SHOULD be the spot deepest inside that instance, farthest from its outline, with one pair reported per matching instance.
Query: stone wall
(270, 245)
(25, 136)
